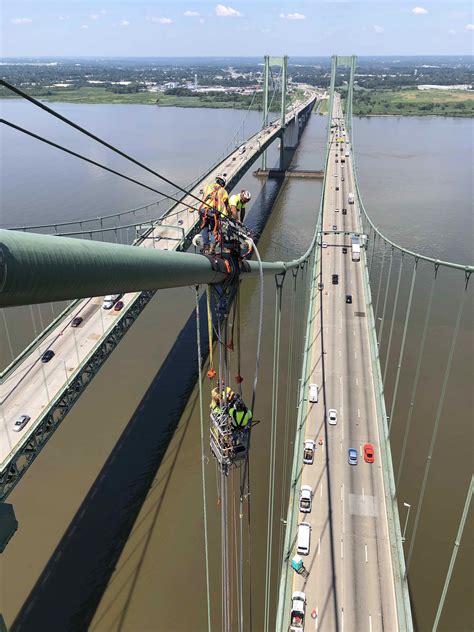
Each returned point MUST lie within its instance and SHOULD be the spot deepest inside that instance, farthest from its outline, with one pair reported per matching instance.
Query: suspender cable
(429, 459)
(457, 543)
(389, 275)
(211, 373)
(203, 457)
(271, 475)
(417, 376)
(380, 283)
(394, 314)
(402, 346)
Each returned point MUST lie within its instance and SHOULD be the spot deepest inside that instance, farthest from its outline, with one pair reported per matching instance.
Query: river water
(415, 178)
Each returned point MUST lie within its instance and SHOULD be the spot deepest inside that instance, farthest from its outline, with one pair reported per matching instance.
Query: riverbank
(413, 102)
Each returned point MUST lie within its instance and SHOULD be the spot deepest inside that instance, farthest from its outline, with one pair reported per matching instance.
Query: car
(324, 245)
(344, 211)
(335, 279)
(335, 175)
(336, 210)
(344, 250)
(298, 605)
(348, 298)
(321, 286)
(342, 178)
(334, 227)
(306, 497)
(337, 188)
(368, 453)
(308, 452)
(332, 417)
(313, 394)
(352, 456)
(118, 306)
(76, 321)
(47, 356)
(337, 161)
(21, 422)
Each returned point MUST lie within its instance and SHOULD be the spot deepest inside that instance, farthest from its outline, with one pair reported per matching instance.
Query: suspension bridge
(355, 571)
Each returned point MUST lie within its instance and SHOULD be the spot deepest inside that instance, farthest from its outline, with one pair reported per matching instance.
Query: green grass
(412, 102)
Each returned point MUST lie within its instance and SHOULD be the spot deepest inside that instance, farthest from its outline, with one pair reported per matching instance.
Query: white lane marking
(342, 489)
(353, 331)
(351, 281)
(321, 493)
(340, 379)
(342, 549)
(340, 353)
(366, 557)
(363, 495)
(316, 620)
(357, 381)
(370, 623)
(342, 620)
(355, 355)
(319, 547)
(358, 413)
(360, 450)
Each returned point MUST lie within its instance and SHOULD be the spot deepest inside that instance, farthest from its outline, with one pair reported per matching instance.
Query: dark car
(47, 355)
(337, 161)
(344, 211)
(76, 321)
(335, 279)
(344, 251)
(334, 227)
(118, 306)
(337, 188)
(348, 298)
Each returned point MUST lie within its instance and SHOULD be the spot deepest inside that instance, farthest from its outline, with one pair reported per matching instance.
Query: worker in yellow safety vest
(237, 204)
(227, 395)
(215, 205)
(241, 415)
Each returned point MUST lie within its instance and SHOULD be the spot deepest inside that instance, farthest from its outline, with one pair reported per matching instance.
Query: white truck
(110, 300)
(350, 198)
(298, 606)
(355, 248)
(346, 154)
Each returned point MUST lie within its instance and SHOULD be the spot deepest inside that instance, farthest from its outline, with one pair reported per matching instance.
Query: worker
(241, 415)
(215, 206)
(237, 204)
(218, 395)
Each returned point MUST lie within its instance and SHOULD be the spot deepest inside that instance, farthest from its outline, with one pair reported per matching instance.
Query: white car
(324, 245)
(306, 498)
(332, 417)
(21, 422)
(336, 210)
(308, 452)
(313, 394)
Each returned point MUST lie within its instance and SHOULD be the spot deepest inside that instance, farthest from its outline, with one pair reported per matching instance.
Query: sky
(63, 28)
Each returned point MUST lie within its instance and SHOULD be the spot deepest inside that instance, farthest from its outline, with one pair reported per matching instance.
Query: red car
(368, 453)
(118, 306)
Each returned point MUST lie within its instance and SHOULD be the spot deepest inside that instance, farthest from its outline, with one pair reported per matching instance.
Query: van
(304, 538)
(110, 300)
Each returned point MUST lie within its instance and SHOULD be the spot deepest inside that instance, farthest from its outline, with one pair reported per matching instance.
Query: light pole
(406, 520)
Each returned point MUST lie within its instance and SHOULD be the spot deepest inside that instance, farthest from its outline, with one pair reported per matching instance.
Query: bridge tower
(269, 62)
(350, 62)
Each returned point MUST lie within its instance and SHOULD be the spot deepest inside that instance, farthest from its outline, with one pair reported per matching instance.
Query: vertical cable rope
(415, 381)
(271, 474)
(402, 346)
(392, 324)
(385, 299)
(380, 283)
(8, 334)
(447, 371)
(203, 457)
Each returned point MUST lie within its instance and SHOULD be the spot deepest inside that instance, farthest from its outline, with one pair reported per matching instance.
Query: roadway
(31, 386)
(350, 585)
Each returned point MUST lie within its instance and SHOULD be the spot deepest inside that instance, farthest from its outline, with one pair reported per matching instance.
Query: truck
(298, 605)
(346, 154)
(355, 248)
(308, 452)
(110, 300)
(350, 198)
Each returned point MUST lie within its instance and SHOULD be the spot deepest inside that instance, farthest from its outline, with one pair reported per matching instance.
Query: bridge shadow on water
(69, 590)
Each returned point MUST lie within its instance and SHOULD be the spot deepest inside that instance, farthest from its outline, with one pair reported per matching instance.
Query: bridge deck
(38, 389)
(351, 582)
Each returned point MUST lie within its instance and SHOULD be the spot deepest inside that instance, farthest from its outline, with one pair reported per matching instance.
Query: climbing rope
(203, 457)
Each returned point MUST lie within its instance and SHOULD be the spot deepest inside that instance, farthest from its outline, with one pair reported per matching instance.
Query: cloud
(452, 32)
(84, 26)
(124, 23)
(64, 17)
(103, 12)
(161, 20)
(201, 21)
(469, 27)
(94, 16)
(293, 16)
(378, 29)
(227, 12)
(419, 11)
(191, 14)
(21, 21)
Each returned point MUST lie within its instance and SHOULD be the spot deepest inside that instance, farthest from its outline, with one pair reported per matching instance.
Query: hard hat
(197, 241)
(246, 195)
(221, 179)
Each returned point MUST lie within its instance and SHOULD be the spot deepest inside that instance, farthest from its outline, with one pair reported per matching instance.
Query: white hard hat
(247, 196)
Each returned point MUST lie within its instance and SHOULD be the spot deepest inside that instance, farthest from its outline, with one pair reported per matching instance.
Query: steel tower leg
(266, 76)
